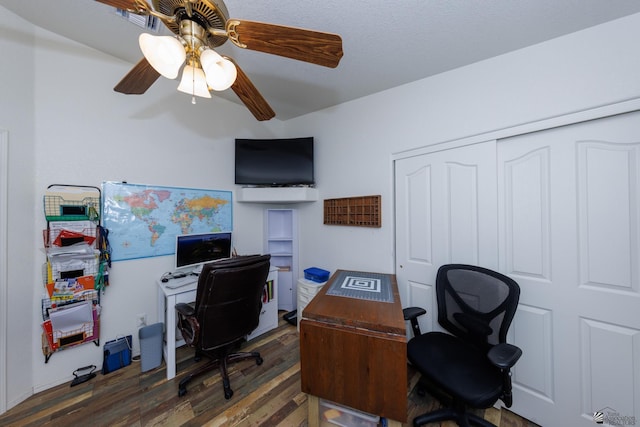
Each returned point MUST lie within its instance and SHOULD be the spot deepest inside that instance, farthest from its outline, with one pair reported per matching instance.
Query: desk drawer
(309, 287)
(304, 298)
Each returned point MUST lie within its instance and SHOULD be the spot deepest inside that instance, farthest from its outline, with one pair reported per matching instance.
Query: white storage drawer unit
(307, 289)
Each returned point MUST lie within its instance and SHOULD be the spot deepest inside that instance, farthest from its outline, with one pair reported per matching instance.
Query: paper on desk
(72, 317)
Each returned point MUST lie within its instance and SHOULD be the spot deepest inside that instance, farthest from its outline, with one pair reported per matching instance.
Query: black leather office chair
(226, 310)
(469, 367)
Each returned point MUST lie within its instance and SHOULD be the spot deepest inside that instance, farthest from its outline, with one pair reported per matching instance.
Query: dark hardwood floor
(267, 395)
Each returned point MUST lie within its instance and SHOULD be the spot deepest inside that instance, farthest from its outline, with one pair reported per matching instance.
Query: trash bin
(150, 346)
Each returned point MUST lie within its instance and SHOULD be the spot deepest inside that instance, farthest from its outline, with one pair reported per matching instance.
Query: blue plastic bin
(316, 274)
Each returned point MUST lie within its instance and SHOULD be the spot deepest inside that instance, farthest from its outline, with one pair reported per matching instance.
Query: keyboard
(181, 281)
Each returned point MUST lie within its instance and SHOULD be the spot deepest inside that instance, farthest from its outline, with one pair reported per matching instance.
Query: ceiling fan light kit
(204, 69)
(165, 53)
(200, 26)
(220, 72)
(194, 83)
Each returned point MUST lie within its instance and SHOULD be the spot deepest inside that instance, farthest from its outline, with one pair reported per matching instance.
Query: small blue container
(316, 274)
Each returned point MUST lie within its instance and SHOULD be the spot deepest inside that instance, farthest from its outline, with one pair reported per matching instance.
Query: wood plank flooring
(267, 395)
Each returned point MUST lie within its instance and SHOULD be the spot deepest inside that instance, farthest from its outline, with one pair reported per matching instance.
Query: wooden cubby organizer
(362, 211)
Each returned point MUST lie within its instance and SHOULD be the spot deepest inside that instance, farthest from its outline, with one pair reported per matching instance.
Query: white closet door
(445, 212)
(4, 262)
(569, 219)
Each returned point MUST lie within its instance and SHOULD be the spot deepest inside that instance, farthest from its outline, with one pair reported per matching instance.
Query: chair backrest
(229, 299)
(475, 303)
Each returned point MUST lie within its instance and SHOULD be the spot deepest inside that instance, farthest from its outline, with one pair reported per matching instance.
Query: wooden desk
(354, 352)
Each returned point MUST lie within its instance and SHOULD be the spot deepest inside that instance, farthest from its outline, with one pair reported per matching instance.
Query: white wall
(17, 118)
(76, 130)
(355, 141)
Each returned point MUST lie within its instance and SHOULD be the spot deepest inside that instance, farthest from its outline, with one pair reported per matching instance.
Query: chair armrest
(185, 309)
(504, 355)
(187, 323)
(411, 313)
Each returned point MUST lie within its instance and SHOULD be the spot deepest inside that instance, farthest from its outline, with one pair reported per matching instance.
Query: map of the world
(143, 220)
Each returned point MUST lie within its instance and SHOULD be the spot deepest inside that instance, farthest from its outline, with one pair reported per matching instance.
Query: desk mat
(362, 285)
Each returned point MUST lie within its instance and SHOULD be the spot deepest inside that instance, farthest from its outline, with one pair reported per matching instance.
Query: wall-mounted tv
(274, 162)
(195, 250)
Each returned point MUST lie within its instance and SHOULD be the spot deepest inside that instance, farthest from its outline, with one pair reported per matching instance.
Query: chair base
(453, 410)
(462, 418)
(220, 363)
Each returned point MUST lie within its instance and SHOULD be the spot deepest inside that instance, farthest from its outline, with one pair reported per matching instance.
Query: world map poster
(143, 220)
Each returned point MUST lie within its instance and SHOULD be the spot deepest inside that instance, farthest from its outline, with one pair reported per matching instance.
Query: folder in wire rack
(71, 203)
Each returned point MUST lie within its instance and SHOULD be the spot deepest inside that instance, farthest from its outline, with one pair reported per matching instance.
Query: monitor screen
(274, 162)
(195, 250)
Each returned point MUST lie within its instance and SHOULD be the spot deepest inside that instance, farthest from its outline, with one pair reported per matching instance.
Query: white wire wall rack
(73, 274)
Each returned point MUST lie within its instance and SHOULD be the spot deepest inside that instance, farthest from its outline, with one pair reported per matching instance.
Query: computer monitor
(195, 250)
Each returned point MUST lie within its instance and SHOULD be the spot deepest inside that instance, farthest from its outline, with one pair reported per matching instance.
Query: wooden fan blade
(251, 97)
(304, 45)
(138, 80)
(121, 4)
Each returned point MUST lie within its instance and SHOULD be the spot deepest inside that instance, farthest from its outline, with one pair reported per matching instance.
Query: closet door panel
(569, 235)
(445, 213)
(526, 214)
(608, 210)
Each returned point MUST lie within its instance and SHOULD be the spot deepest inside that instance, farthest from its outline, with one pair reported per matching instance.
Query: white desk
(167, 300)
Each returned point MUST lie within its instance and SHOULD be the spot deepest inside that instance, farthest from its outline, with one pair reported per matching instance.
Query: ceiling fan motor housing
(206, 13)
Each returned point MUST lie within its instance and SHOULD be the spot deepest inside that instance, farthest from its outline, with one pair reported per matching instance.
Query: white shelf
(281, 242)
(269, 311)
(277, 194)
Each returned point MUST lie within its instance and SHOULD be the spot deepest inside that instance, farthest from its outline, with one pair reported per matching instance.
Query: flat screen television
(195, 250)
(274, 162)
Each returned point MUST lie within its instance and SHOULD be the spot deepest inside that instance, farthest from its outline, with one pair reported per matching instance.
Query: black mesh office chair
(469, 367)
(226, 310)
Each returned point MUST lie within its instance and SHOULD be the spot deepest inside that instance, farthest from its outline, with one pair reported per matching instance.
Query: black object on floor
(291, 317)
(81, 375)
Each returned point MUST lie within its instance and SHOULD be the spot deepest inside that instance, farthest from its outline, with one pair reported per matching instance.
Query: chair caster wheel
(182, 392)
(228, 394)
(259, 361)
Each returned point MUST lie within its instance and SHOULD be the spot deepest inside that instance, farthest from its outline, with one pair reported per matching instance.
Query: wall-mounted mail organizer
(71, 203)
(75, 270)
(71, 316)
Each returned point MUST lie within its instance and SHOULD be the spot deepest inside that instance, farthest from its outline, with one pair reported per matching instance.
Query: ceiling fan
(199, 27)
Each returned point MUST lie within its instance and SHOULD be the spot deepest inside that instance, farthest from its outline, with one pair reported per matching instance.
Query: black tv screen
(274, 162)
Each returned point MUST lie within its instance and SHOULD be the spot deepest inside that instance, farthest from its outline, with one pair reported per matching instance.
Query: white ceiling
(385, 43)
